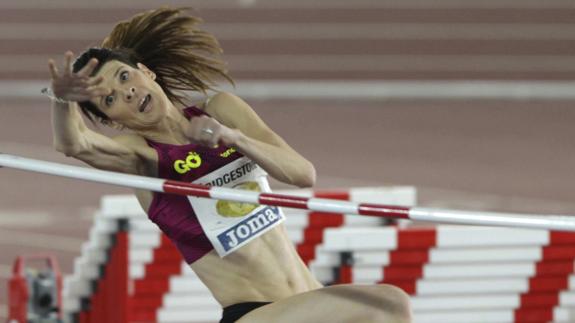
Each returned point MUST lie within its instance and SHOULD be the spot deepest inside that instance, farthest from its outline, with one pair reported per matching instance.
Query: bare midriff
(265, 270)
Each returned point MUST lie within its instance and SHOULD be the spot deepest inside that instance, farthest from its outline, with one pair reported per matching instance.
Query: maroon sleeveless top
(173, 213)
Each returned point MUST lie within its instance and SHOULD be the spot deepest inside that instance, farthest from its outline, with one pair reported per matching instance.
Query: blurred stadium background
(469, 101)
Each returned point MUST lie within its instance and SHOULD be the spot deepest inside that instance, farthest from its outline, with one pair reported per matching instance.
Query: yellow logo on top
(191, 162)
(194, 160)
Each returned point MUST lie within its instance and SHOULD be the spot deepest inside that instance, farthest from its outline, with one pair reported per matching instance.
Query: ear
(146, 70)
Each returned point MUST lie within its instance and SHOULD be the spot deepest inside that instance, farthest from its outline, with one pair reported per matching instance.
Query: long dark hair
(169, 43)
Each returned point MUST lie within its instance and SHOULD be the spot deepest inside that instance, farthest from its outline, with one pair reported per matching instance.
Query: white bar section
(438, 273)
(464, 302)
(140, 256)
(188, 301)
(144, 239)
(182, 284)
(476, 236)
(562, 223)
(136, 271)
(493, 316)
(230, 194)
(347, 239)
(471, 286)
(567, 298)
(333, 206)
(363, 221)
(397, 90)
(295, 236)
(432, 271)
(364, 90)
(367, 274)
(564, 314)
(438, 257)
(186, 316)
(83, 173)
(121, 206)
(551, 222)
(143, 224)
(299, 221)
(495, 254)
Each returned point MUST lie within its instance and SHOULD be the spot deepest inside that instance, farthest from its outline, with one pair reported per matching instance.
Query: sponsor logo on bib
(233, 175)
(193, 161)
(227, 153)
(230, 225)
(249, 227)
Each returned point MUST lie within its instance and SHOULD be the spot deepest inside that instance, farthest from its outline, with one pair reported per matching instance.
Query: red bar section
(553, 252)
(407, 261)
(149, 290)
(296, 202)
(109, 301)
(409, 239)
(345, 274)
(535, 315)
(181, 188)
(318, 222)
(409, 257)
(551, 277)
(386, 211)
(563, 238)
(554, 268)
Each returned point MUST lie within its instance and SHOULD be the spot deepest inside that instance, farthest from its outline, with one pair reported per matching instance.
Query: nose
(130, 93)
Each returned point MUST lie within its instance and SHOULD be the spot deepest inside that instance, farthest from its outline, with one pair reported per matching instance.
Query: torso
(266, 269)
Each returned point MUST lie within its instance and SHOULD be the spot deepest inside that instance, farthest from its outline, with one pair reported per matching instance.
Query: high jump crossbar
(516, 220)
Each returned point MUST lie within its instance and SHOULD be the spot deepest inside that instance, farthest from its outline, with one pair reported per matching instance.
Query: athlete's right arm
(71, 135)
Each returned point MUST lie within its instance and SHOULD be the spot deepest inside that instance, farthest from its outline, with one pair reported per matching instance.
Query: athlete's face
(134, 99)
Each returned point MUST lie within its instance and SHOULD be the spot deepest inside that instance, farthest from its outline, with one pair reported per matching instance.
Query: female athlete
(136, 81)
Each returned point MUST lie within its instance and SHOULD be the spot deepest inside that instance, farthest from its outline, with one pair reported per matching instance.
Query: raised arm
(238, 126)
(71, 135)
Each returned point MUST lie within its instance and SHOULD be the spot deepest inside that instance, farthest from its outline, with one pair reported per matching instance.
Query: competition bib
(230, 225)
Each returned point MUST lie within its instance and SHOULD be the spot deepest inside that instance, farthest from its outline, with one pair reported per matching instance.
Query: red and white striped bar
(550, 222)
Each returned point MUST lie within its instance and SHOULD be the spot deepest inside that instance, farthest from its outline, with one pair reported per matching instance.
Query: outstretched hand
(80, 86)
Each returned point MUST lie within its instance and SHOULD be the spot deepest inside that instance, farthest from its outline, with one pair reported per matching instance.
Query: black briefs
(234, 312)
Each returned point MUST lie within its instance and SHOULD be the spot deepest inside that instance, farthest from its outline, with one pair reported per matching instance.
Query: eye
(109, 100)
(124, 76)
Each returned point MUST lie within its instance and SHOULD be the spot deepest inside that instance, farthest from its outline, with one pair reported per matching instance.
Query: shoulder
(229, 109)
(222, 101)
(222, 97)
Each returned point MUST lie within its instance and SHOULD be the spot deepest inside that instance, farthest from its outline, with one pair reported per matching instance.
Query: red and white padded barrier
(462, 273)
(163, 288)
(453, 273)
(551, 222)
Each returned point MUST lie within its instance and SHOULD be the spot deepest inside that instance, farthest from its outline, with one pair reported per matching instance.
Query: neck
(170, 130)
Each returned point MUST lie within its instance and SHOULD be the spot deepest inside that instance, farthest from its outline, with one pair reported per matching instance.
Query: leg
(341, 304)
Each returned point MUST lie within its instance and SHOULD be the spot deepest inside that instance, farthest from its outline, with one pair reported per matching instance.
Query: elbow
(307, 178)
(69, 151)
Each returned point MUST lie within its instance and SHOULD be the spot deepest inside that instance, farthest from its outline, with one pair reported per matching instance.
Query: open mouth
(145, 102)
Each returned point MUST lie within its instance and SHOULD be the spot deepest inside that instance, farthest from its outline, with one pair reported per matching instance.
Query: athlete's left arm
(240, 127)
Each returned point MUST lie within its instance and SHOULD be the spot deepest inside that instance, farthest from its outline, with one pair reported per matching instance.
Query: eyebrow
(115, 74)
(117, 71)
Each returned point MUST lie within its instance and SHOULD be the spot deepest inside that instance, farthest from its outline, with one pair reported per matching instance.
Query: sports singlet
(173, 213)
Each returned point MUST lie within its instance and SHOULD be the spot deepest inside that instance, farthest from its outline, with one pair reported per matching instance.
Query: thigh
(341, 303)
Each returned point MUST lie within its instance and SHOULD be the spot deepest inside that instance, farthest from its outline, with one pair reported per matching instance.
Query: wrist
(234, 138)
(50, 94)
